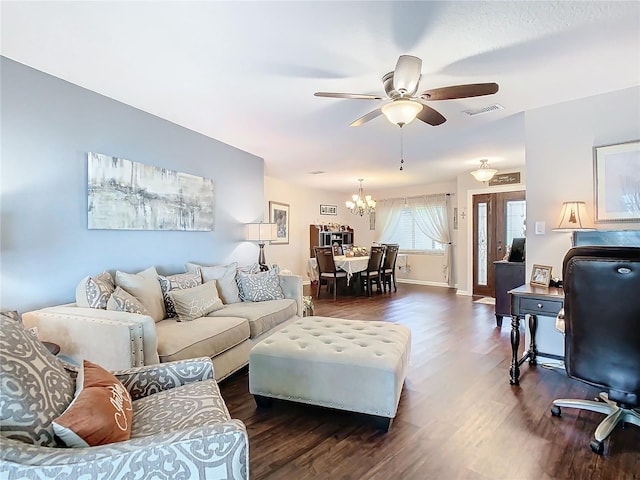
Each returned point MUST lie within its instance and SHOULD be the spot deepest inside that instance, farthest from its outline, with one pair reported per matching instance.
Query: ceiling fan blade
(460, 91)
(407, 74)
(430, 116)
(357, 96)
(365, 118)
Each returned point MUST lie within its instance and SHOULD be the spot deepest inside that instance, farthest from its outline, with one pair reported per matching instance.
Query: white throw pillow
(146, 288)
(196, 302)
(179, 281)
(122, 301)
(225, 277)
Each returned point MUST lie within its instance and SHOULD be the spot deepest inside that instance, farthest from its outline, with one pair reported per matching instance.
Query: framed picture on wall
(279, 214)
(617, 182)
(328, 210)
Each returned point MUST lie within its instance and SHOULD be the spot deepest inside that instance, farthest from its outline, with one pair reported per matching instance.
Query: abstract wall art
(126, 195)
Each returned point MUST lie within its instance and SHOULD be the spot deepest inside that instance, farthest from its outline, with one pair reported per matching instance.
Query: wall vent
(316, 172)
(480, 111)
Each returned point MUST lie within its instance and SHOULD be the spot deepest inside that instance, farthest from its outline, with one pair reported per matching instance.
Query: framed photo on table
(540, 275)
(279, 214)
(617, 182)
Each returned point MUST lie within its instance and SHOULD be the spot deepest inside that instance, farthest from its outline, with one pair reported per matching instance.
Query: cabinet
(326, 238)
(508, 275)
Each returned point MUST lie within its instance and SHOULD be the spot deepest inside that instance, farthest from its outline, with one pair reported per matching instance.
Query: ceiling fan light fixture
(485, 172)
(401, 112)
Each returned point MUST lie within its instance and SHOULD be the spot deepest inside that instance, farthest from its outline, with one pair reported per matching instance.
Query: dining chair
(327, 270)
(372, 273)
(388, 269)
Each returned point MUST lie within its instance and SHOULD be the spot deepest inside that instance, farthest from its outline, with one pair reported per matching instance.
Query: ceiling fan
(401, 87)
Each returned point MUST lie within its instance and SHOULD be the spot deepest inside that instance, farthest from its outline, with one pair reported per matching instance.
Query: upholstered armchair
(181, 427)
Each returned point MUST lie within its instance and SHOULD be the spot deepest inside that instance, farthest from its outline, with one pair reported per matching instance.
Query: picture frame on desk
(617, 182)
(540, 275)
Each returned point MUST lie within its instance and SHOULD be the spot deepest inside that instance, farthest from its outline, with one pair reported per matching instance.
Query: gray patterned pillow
(35, 388)
(254, 268)
(196, 302)
(260, 287)
(94, 292)
(179, 281)
(123, 301)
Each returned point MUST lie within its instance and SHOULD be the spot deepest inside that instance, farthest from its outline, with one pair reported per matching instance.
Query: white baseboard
(464, 292)
(405, 280)
(423, 282)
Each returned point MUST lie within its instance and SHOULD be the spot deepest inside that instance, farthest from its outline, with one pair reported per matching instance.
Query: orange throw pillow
(100, 413)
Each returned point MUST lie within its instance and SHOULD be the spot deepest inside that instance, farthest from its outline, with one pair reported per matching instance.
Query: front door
(498, 218)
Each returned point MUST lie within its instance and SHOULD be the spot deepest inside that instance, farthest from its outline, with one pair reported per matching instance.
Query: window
(411, 238)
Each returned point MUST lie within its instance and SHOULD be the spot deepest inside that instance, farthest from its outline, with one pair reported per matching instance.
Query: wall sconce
(261, 233)
(574, 218)
(485, 172)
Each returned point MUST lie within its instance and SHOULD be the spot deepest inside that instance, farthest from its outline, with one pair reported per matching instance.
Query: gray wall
(48, 126)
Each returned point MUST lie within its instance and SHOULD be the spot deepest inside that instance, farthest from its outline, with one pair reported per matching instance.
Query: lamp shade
(574, 218)
(401, 112)
(261, 232)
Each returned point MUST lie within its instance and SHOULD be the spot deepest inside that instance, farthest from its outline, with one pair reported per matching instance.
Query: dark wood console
(508, 275)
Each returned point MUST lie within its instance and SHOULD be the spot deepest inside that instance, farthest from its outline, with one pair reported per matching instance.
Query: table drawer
(538, 306)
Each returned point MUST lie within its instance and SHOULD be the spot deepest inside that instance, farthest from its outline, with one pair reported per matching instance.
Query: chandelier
(361, 203)
(485, 172)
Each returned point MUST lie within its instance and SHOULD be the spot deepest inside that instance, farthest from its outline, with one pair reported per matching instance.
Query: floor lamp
(261, 233)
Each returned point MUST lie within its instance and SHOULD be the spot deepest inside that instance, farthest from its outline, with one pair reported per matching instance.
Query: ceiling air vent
(480, 111)
(317, 172)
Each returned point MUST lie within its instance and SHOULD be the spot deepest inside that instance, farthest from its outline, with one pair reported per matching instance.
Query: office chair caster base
(597, 447)
(556, 411)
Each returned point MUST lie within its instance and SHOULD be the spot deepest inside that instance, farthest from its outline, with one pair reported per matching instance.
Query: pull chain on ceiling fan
(401, 86)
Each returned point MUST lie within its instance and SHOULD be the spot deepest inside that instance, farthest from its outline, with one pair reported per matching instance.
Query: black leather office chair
(602, 332)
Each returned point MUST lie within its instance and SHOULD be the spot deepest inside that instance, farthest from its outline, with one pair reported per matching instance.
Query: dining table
(351, 265)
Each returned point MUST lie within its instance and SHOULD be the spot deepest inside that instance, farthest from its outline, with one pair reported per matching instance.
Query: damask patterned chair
(181, 427)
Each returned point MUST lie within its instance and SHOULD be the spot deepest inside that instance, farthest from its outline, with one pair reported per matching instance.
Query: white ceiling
(244, 73)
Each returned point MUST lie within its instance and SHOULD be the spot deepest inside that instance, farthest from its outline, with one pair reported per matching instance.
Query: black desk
(533, 301)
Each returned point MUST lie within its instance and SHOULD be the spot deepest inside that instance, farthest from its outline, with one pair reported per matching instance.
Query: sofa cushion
(146, 288)
(225, 277)
(260, 287)
(179, 281)
(94, 292)
(122, 301)
(202, 337)
(181, 408)
(196, 302)
(35, 386)
(262, 316)
(100, 413)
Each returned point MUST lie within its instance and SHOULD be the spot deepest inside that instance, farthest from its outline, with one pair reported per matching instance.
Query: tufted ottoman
(351, 365)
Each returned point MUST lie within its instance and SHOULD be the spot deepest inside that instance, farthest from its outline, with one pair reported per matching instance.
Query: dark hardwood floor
(458, 417)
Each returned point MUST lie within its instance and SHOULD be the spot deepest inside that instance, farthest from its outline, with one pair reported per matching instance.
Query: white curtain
(388, 216)
(431, 214)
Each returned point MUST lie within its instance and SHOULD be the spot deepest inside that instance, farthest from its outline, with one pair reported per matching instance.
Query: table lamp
(261, 233)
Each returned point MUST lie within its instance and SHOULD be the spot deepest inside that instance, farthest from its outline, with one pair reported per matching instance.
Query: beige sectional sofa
(117, 339)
